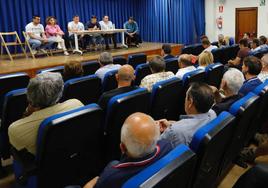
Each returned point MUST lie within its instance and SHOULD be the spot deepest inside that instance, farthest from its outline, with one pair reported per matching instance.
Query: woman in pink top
(54, 33)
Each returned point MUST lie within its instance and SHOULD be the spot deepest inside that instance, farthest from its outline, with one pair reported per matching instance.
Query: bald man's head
(139, 135)
(185, 60)
(264, 60)
(125, 76)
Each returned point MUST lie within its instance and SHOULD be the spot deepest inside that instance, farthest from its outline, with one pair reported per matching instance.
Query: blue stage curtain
(177, 21)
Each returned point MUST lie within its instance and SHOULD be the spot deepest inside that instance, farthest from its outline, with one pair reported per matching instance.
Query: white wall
(228, 15)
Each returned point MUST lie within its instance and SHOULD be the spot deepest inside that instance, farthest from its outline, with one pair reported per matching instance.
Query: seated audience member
(198, 102)
(74, 26)
(247, 37)
(140, 148)
(203, 37)
(242, 53)
(43, 93)
(107, 25)
(124, 77)
(207, 45)
(36, 36)
(221, 41)
(132, 33)
(255, 45)
(54, 33)
(106, 63)
(166, 51)
(231, 83)
(251, 68)
(185, 64)
(264, 72)
(72, 69)
(93, 25)
(157, 66)
(205, 58)
(263, 42)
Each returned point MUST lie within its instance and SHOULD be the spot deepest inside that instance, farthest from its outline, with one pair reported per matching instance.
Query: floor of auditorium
(227, 182)
(30, 65)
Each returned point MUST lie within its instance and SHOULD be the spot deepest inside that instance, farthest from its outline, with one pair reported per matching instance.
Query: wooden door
(246, 21)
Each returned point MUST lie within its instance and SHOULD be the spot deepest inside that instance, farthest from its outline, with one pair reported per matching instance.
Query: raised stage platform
(31, 66)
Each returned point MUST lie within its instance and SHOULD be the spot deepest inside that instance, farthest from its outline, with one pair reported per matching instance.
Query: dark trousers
(107, 37)
(135, 39)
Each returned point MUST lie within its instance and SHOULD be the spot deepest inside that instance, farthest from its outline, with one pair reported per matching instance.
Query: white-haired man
(231, 83)
(140, 148)
(106, 63)
(264, 72)
(43, 93)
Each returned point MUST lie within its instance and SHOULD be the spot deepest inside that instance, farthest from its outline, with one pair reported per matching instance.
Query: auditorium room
(134, 94)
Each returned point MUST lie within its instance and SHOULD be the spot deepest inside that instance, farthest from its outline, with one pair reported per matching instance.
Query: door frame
(236, 20)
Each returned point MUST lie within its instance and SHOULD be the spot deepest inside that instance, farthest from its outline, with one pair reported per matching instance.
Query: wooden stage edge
(31, 66)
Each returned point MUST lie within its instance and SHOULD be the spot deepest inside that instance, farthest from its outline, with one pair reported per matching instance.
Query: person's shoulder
(73, 103)
(169, 73)
(29, 24)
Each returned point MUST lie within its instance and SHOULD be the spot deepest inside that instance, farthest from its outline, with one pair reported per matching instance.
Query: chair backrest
(58, 69)
(214, 73)
(68, 147)
(209, 143)
(87, 89)
(136, 59)
(172, 65)
(231, 41)
(166, 99)
(11, 82)
(198, 49)
(218, 54)
(198, 75)
(109, 81)
(15, 104)
(188, 49)
(230, 53)
(118, 109)
(90, 67)
(172, 171)
(120, 60)
(141, 71)
(245, 110)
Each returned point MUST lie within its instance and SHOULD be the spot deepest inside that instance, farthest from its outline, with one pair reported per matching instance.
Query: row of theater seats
(88, 90)
(72, 149)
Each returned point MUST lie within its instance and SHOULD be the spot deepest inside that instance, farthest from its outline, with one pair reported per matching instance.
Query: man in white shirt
(76, 25)
(185, 64)
(108, 25)
(36, 35)
(106, 63)
(207, 45)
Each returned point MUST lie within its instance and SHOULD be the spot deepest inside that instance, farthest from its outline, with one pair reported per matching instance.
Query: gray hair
(106, 58)
(136, 147)
(45, 89)
(234, 79)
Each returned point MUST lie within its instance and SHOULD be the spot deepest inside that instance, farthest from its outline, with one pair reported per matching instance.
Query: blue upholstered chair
(172, 171)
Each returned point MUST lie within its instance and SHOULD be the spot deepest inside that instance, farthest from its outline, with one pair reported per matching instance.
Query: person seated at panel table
(166, 51)
(108, 25)
(140, 147)
(54, 33)
(132, 33)
(76, 25)
(36, 36)
(242, 53)
(96, 38)
(72, 69)
(43, 94)
(124, 78)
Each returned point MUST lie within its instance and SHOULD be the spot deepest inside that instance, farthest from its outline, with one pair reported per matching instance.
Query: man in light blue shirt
(198, 102)
(132, 33)
(106, 24)
(106, 63)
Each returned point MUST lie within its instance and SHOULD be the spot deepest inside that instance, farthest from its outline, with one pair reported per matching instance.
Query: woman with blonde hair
(54, 33)
(205, 59)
